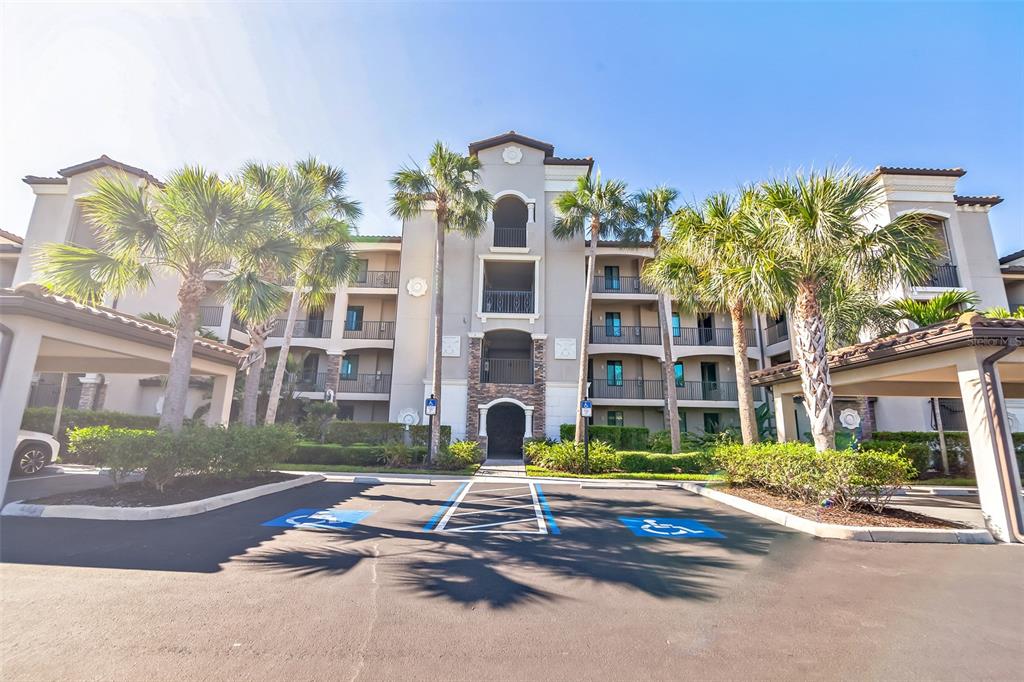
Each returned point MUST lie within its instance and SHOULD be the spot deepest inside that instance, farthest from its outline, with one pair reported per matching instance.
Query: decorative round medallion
(416, 286)
(512, 155)
(409, 416)
(849, 418)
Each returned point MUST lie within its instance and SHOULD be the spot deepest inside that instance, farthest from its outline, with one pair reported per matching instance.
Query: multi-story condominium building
(513, 311)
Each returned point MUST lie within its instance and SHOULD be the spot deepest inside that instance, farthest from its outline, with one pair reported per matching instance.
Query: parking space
(54, 480)
(462, 580)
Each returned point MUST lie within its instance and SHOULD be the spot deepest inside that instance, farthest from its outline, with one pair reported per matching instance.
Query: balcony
(943, 276)
(508, 301)
(364, 383)
(506, 371)
(383, 330)
(621, 285)
(708, 336)
(774, 333)
(625, 335)
(510, 237)
(653, 389)
(304, 329)
(211, 315)
(376, 279)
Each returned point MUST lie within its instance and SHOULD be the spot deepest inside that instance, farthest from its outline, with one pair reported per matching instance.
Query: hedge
(351, 455)
(376, 433)
(568, 456)
(919, 454)
(619, 437)
(958, 446)
(838, 477)
(41, 419)
(682, 463)
(235, 452)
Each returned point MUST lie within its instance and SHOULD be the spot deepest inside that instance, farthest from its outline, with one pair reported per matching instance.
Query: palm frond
(88, 275)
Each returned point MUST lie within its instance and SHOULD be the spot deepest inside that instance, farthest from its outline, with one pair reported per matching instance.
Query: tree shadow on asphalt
(502, 571)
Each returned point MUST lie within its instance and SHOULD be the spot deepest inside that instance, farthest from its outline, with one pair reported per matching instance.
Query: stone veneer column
(333, 371)
(90, 391)
(540, 380)
(473, 398)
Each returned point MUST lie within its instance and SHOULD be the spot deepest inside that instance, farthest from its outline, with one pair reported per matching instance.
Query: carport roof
(970, 329)
(32, 300)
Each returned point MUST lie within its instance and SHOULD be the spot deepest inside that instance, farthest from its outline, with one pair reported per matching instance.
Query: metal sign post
(430, 409)
(586, 410)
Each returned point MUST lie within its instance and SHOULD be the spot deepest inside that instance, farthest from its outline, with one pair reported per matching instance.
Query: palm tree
(256, 296)
(942, 307)
(719, 257)
(597, 210)
(654, 207)
(172, 322)
(318, 216)
(191, 226)
(821, 239)
(451, 181)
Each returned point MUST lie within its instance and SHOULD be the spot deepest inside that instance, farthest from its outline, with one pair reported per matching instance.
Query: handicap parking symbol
(320, 519)
(668, 528)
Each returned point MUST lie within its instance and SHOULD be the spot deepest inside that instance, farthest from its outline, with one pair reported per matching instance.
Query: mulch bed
(183, 489)
(860, 515)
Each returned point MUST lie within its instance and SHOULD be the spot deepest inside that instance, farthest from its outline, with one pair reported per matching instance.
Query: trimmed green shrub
(460, 455)
(797, 470)
(123, 451)
(350, 455)
(41, 419)
(619, 437)
(917, 452)
(680, 463)
(377, 433)
(958, 446)
(569, 456)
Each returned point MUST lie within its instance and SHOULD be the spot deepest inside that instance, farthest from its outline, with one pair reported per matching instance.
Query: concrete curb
(837, 532)
(170, 511)
(430, 479)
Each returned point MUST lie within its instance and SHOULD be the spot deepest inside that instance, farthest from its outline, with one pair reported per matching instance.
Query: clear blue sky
(699, 96)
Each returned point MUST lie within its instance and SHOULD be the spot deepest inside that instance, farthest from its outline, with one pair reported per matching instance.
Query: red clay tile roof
(12, 237)
(39, 180)
(36, 292)
(1010, 257)
(511, 136)
(106, 161)
(898, 170)
(988, 200)
(565, 161)
(969, 329)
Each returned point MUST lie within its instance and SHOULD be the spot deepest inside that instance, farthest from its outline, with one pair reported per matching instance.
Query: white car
(34, 451)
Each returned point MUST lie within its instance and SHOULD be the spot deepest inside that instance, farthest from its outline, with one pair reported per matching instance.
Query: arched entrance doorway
(506, 427)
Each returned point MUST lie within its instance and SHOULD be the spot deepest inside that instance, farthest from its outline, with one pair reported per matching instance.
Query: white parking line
(497, 526)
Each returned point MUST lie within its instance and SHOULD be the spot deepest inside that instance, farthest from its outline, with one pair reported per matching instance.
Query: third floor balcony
(375, 279)
(681, 336)
(369, 329)
(304, 329)
(508, 301)
(604, 284)
(653, 389)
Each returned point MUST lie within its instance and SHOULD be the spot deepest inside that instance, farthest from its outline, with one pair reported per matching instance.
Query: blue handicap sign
(668, 528)
(322, 519)
(431, 402)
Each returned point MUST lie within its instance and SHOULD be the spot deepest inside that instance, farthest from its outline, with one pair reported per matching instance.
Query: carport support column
(220, 403)
(14, 389)
(528, 431)
(999, 493)
(785, 416)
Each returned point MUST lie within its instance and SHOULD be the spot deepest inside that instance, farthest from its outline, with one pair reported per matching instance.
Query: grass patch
(642, 476)
(351, 468)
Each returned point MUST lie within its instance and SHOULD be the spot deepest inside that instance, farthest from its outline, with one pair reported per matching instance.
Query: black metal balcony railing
(506, 371)
(376, 279)
(237, 323)
(510, 237)
(364, 383)
(304, 329)
(708, 336)
(944, 276)
(305, 381)
(625, 335)
(774, 333)
(621, 285)
(370, 330)
(653, 389)
(516, 302)
(211, 315)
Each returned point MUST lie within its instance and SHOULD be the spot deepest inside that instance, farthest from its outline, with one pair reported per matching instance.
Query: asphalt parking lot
(495, 580)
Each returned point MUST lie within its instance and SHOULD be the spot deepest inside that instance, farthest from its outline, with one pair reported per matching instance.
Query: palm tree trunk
(178, 373)
(744, 391)
(943, 452)
(435, 423)
(668, 375)
(251, 392)
(588, 304)
(812, 358)
(282, 356)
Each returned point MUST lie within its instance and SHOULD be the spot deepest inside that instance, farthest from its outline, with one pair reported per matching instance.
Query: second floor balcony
(211, 315)
(508, 301)
(367, 329)
(604, 284)
(653, 389)
(943, 276)
(314, 382)
(775, 333)
(304, 329)
(375, 279)
(364, 383)
(506, 371)
(681, 336)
